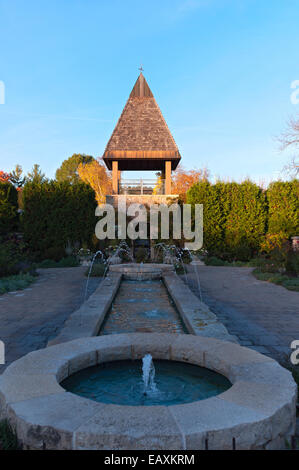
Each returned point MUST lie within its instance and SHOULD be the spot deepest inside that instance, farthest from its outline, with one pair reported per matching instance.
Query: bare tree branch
(290, 139)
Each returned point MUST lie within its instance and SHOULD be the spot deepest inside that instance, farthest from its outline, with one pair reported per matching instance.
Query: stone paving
(30, 317)
(263, 316)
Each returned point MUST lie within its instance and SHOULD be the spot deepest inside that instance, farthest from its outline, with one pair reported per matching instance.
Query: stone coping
(141, 268)
(141, 199)
(142, 272)
(196, 315)
(257, 412)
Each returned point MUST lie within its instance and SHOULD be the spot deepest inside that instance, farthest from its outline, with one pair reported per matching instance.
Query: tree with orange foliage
(4, 177)
(96, 175)
(183, 179)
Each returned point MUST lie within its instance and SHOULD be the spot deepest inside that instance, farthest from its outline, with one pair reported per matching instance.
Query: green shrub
(98, 270)
(141, 254)
(291, 282)
(179, 269)
(47, 263)
(186, 256)
(55, 253)
(292, 263)
(7, 261)
(8, 437)
(276, 278)
(214, 261)
(67, 262)
(17, 282)
(14, 257)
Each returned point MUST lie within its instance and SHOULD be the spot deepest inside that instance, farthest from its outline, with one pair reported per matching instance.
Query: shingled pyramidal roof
(141, 139)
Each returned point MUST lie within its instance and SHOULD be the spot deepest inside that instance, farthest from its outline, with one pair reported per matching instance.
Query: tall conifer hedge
(57, 213)
(8, 208)
(235, 217)
(283, 199)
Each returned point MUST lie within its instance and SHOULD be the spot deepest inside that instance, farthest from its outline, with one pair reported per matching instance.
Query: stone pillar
(168, 177)
(115, 177)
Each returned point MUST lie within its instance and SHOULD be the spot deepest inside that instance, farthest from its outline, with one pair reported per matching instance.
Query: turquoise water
(120, 382)
(142, 306)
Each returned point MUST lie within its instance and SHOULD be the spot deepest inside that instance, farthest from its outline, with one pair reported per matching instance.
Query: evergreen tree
(68, 169)
(36, 175)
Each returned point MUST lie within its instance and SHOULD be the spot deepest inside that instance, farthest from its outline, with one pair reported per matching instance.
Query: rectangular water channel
(142, 306)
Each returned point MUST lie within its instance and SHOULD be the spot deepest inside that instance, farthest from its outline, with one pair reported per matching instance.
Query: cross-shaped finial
(140, 68)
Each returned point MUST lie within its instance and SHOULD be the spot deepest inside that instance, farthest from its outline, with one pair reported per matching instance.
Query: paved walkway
(31, 317)
(262, 315)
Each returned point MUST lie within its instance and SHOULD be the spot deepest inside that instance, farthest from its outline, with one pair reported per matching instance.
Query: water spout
(99, 252)
(148, 374)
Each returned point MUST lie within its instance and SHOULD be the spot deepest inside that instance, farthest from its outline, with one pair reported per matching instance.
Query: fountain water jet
(99, 252)
(148, 374)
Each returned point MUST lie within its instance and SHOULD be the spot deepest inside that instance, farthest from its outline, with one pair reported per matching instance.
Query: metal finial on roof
(140, 68)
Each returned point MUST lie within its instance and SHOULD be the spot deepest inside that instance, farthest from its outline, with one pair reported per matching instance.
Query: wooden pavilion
(141, 139)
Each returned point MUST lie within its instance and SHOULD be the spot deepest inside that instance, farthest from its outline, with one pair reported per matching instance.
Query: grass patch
(97, 270)
(290, 283)
(16, 282)
(8, 437)
(68, 262)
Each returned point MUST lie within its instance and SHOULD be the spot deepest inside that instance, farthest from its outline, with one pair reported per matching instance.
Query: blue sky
(220, 70)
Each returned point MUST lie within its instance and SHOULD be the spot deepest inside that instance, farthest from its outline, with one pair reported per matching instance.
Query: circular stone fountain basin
(121, 383)
(257, 412)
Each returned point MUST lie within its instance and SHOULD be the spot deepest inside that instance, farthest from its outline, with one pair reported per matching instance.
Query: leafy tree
(183, 179)
(4, 176)
(68, 171)
(96, 175)
(36, 176)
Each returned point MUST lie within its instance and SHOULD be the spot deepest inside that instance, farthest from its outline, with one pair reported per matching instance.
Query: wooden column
(115, 177)
(167, 177)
